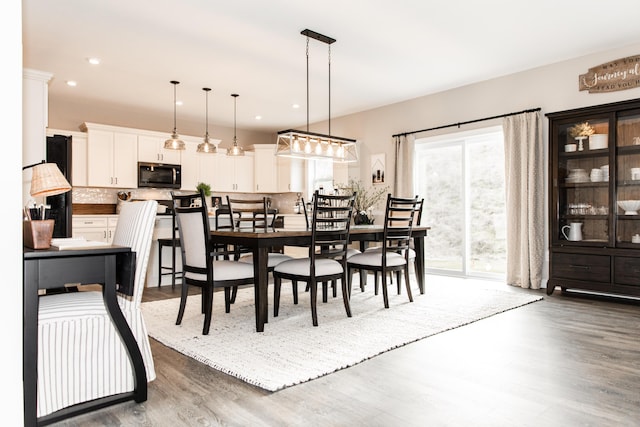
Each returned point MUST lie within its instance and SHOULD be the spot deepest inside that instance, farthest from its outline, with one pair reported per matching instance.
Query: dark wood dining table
(260, 241)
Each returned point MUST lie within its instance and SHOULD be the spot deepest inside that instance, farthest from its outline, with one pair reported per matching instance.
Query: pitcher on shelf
(575, 231)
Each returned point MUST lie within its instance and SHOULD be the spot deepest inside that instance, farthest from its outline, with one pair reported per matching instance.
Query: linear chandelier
(310, 145)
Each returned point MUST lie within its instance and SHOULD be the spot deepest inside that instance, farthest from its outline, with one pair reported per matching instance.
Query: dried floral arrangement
(581, 129)
(365, 198)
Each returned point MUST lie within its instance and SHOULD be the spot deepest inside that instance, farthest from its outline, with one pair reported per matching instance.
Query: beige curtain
(403, 166)
(524, 181)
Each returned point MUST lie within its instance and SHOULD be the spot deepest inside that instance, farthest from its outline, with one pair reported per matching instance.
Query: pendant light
(206, 146)
(174, 143)
(311, 145)
(235, 150)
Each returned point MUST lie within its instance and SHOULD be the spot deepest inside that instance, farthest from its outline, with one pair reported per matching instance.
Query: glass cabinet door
(628, 180)
(583, 183)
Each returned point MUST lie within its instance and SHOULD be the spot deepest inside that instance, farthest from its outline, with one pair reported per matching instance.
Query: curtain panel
(524, 184)
(403, 166)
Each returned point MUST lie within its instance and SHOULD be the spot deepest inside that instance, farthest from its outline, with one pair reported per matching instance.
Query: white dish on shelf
(630, 207)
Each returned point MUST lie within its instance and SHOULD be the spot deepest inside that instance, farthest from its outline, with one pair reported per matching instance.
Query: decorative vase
(362, 219)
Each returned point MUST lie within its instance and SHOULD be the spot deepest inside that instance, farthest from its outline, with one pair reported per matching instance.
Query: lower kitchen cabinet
(98, 228)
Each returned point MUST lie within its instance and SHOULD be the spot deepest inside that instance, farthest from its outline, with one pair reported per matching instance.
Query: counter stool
(174, 243)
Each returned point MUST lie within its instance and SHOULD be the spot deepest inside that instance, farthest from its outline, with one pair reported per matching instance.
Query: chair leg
(227, 298)
(159, 265)
(208, 297)
(234, 294)
(397, 279)
(324, 292)
(183, 302)
(334, 285)
(385, 295)
(406, 280)
(314, 297)
(363, 279)
(345, 295)
(294, 286)
(276, 295)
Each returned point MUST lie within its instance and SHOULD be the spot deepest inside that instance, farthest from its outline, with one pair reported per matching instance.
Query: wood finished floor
(563, 361)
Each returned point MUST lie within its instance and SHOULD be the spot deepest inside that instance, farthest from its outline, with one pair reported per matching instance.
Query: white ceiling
(386, 52)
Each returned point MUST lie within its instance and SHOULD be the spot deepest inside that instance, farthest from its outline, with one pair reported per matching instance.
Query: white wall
(11, 404)
(552, 88)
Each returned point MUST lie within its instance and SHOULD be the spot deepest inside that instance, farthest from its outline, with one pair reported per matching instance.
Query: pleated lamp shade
(47, 180)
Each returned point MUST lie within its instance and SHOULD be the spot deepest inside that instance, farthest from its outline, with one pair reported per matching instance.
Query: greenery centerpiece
(366, 199)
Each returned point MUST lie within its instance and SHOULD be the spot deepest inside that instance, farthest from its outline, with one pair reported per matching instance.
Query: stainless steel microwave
(159, 175)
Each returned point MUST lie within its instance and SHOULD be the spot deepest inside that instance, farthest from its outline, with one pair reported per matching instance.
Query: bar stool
(173, 242)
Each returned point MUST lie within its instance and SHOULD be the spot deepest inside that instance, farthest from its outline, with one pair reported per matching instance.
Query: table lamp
(46, 180)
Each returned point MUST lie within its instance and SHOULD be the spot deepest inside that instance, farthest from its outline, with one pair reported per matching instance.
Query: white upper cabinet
(233, 174)
(151, 150)
(111, 159)
(266, 166)
(291, 175)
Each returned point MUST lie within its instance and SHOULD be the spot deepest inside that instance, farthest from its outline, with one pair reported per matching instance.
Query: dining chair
(394, 252)
(412, 253)
(173, 242)
(200, 266)
(327, 260)
(252, 214)
(81, 356)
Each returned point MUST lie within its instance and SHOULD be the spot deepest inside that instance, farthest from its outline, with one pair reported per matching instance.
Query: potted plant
(366, 199)
(205, 187)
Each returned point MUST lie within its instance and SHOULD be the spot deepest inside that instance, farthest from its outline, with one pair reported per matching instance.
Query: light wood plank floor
(564, 361)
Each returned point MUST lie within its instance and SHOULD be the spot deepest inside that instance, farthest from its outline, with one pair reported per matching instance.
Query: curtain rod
(467, 122)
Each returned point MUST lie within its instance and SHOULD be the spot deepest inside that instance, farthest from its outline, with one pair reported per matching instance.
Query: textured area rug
(291, 351)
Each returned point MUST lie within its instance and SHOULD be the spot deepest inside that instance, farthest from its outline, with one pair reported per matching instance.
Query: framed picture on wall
(377, 168)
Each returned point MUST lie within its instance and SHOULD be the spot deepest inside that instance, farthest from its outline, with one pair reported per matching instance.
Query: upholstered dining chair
(199, 264)
(394, 252)
(327, 260)
(80, 354)
(252, 214)
(412, 253)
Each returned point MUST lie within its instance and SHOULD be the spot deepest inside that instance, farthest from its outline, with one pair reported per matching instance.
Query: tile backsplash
(284, 202)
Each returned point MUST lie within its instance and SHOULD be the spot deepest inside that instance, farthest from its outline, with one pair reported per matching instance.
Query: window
(461, 177)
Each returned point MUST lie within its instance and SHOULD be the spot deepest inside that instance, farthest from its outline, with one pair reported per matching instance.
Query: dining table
(260, 241)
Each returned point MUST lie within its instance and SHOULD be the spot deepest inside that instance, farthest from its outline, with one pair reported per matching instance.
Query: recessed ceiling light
(93, 61)
(72, 83)
(296, 105)
(258, 117)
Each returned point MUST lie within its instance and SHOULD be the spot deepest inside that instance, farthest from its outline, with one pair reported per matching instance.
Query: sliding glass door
(461, 178)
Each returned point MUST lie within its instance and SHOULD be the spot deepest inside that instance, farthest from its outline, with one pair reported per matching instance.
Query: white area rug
(291, 351)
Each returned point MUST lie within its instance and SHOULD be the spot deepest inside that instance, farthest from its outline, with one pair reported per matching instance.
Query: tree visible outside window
(461, 177)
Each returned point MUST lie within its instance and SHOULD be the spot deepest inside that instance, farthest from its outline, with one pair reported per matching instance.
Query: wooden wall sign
(621, 74)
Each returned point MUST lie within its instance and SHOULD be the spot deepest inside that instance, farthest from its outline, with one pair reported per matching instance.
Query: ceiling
(386, 52)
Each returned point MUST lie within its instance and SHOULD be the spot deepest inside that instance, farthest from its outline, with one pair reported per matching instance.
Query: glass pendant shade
(235, 150)
(206, 146)
(174, 143)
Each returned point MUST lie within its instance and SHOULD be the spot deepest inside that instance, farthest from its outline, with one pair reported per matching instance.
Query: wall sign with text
(621, 74)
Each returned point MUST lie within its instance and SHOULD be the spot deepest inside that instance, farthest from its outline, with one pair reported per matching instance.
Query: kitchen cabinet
(594, 241)
(291, 175)
(265, 170)
(111, 159)
(151, 150)
(233, 173)
(98, 228)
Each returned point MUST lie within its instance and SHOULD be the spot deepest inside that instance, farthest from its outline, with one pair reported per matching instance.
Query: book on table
(68, 243)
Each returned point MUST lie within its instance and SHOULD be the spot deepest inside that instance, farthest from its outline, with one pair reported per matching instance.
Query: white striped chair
(80, 354)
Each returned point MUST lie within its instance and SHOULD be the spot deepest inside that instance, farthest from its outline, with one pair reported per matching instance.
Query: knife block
(37, 234)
